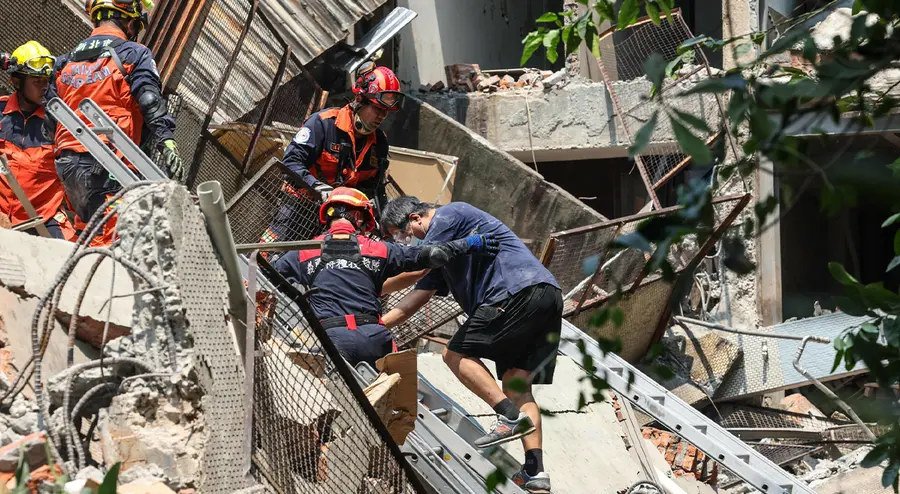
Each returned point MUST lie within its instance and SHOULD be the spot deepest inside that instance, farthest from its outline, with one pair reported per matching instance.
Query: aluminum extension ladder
(442, 440)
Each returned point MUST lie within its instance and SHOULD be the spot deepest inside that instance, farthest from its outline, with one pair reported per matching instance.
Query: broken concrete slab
(31, 446)
(17, 312)
(574, 122)
(593, 432)
(29, 266)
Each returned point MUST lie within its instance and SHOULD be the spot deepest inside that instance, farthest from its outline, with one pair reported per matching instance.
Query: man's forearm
(402, 281)
(408, 306)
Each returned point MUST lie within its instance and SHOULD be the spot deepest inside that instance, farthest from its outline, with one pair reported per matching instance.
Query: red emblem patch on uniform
(335, 148)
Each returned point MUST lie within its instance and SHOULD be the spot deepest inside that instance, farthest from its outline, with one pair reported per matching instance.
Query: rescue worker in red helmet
(29, 153)
(350, 269)
(341, 147)
(120, 75)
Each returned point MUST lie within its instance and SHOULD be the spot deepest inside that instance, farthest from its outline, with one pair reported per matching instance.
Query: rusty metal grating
(589, 273)
(314, 429)
(622, 57)
(436, 313)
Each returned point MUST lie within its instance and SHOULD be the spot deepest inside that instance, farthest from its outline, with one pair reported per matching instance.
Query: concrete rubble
(470, 78)
(144, 398)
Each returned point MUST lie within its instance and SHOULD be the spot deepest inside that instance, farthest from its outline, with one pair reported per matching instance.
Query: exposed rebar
(73, 321)
(681, 320)
(70, 380)
(70, 424)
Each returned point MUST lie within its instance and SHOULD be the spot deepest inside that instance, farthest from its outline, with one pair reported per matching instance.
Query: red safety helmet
(101, 10)
(379, 86)
(346, 201)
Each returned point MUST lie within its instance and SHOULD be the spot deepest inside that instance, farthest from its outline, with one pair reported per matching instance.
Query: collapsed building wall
(488, 177)
(574, 122)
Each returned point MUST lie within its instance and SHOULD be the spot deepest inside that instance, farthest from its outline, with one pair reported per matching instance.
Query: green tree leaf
(891, 329)
(628, 14)
(894, 263)
(718, 85)
(110, 480)
(551, 42)
(841, 275)
(642, 136)
(606, 10)
(652, 11)
(693, 121)
(548, 17)
(838, 356)
(895, 167)
(758, 38)
(518, 385)
(691, 144)
(667, 6)
(618, 316)
(890, 221)
(495, 478)
(655, 68)
(858, 5)
(633, 240)
(889, 477)
(532, 42)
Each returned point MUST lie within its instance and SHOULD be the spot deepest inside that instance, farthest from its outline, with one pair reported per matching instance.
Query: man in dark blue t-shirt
(514, 308)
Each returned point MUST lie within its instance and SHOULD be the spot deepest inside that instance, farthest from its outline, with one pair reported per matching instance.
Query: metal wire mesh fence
(243, 90)
(590, 272)
(314, 429)
(274, 205)
(745, 416)
(622, 62)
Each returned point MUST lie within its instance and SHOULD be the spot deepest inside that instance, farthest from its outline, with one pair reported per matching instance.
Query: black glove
(324, 190)
(172, 161)
(483, 243)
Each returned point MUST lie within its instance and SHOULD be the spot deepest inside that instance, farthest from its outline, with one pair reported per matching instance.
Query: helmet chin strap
(361, 126)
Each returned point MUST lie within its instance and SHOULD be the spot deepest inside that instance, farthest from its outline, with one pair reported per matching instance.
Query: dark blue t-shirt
(479, 280)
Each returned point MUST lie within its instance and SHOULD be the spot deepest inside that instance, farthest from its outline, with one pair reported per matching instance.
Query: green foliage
(764, 99)
(642, 137)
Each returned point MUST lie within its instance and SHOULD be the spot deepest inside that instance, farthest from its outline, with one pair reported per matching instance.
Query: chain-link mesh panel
(314, 429)
(53, 24)
(436, 313)
(622, 63)
(745, 416)
(244, 90)
(270, 207)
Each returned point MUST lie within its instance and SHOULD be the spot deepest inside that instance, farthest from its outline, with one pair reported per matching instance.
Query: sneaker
(506, 430)
(539, 483)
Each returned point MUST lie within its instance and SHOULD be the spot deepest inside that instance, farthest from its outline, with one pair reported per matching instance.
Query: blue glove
(484, 243)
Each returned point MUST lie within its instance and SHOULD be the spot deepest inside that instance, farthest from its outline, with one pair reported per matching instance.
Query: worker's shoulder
(459, 208)
(327, 113)
(132, 52)
(370, 247)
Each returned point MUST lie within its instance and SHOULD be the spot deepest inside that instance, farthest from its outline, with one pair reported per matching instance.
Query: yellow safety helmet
(101, 10)
(30, 59)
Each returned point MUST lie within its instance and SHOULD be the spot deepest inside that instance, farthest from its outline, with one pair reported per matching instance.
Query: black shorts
(521, 332)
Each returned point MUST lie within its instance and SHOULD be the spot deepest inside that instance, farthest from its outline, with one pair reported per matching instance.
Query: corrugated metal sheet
(756, 374)
(313, 26)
